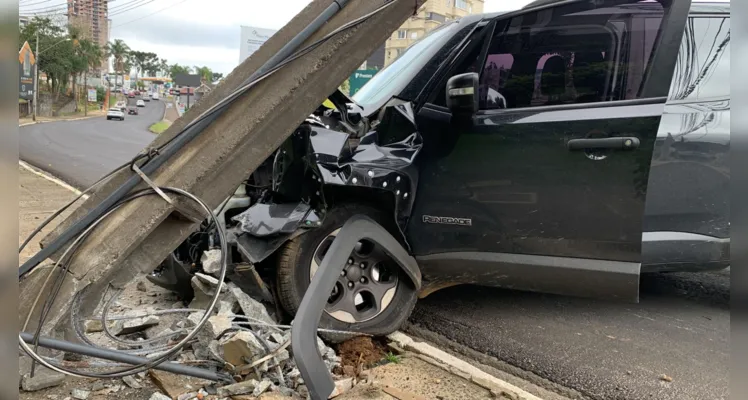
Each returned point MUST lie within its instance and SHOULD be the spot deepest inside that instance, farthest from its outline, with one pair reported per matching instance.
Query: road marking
(50, 178)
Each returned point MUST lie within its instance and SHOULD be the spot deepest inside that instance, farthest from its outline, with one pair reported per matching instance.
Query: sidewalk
(412, 370)
(72, 117)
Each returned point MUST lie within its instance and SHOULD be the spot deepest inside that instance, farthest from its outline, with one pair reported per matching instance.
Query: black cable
(105, 210)
(188, 133)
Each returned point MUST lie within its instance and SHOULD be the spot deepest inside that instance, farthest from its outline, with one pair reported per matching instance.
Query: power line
(120, 11)
(148, 15)
(22, 4)
(118, 7)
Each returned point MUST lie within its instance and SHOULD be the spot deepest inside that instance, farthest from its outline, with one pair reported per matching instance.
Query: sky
(203, 32)
(206, 32)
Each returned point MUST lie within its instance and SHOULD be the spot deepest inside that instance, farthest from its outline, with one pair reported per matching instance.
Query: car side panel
(687, 214)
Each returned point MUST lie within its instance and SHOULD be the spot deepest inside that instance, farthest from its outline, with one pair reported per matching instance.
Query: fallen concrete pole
(141, 234)
(118, 356)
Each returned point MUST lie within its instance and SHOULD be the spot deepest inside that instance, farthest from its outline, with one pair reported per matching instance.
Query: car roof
(697, 7)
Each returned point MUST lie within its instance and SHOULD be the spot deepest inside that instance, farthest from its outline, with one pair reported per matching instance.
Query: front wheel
(372, 295)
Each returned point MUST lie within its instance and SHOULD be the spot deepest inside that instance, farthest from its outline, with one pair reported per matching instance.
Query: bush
(100, 94)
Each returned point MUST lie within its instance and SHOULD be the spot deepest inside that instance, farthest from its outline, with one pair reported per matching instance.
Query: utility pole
(36, 76)
(139, 236)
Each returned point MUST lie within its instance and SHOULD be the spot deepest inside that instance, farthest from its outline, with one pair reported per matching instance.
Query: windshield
(393, 78)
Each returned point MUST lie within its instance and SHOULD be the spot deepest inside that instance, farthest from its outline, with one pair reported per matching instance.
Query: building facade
(432, 14)
(92, 18)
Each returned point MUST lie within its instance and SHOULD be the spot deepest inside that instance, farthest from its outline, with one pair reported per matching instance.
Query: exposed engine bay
(337, 155)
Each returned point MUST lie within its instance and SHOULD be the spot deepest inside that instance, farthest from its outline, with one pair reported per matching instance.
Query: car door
(544, 187)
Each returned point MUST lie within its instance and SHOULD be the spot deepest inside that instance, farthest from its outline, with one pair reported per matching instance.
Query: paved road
(604, 350)
(600, 349)
(80, 152)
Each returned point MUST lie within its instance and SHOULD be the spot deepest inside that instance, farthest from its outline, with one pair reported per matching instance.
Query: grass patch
(159, 127)
(392, 358)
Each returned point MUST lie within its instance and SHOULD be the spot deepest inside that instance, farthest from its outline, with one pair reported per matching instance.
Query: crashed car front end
(323, 162)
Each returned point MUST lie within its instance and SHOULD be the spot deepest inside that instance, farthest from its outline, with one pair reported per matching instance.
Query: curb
(47, 176)
(59, 120)
(459, 367)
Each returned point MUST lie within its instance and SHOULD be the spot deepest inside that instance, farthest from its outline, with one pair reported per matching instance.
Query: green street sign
(359, 78)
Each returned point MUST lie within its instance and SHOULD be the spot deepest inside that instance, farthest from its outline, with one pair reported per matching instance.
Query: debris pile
(241, 338)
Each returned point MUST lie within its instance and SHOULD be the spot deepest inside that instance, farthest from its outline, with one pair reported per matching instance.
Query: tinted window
(568, 56)
(703, 67)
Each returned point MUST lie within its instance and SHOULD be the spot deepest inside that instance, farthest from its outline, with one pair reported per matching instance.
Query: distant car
(140, 103)
(137, 92)
(154, 95)
(132, 111)
(121, 105)
(115, 113)
(146, 97)
(131, 95)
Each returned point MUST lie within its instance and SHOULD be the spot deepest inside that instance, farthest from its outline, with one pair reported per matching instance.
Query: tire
(294, 276)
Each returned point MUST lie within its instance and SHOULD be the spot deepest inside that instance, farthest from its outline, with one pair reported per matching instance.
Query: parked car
(115, 113)
(140, 103)
(564, 148)
(132, 111)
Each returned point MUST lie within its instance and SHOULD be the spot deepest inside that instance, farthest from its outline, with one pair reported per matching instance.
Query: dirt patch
(360, 353)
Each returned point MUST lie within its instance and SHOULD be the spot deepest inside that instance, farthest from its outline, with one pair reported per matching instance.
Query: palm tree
(119, 51)
(163, 66)
(92, 54)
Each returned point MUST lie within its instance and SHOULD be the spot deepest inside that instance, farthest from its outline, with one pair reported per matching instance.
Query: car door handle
(617, 143)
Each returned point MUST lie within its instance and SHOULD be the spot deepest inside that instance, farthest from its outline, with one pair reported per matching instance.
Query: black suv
(564, 148)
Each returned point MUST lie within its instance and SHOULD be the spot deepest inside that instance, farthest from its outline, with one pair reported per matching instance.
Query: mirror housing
(462, 94)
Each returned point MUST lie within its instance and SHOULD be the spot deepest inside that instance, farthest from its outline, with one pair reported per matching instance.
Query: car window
(570, 55)
(703, 67)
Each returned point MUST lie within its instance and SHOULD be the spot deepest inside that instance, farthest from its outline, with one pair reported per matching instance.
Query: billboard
(251, 40)
(359, 78)
(92, 95)
(26, 65)
(126, 82)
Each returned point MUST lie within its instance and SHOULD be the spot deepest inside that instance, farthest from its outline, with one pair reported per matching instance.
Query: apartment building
(92, 17)
(432, 14)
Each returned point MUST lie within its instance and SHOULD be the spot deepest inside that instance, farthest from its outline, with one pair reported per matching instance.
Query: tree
(91, 53)
(176, 69)
(163, 66)
(217, 76)
(205, 73)
(55, 48)
(119, 52)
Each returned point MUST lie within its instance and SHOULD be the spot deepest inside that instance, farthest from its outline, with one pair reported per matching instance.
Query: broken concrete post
(143, 232)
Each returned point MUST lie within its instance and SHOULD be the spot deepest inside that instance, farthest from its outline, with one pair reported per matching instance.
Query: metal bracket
(304, 327)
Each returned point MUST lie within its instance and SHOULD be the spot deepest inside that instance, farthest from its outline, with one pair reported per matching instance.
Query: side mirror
(462, 94)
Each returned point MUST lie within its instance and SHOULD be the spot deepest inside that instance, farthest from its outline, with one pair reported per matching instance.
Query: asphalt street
(603, 350)
(80, 152)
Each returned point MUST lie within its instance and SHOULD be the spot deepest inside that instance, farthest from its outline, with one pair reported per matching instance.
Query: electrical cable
(177, 347)
(199, 123)
(92, 220)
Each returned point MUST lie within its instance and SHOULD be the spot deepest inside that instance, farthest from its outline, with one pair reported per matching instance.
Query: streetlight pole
(36, 76)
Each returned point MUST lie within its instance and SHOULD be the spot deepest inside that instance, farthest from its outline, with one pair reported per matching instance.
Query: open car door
(548, 178)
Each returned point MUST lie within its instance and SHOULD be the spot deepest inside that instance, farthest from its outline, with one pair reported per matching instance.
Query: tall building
(432, 14)
(92, 18)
